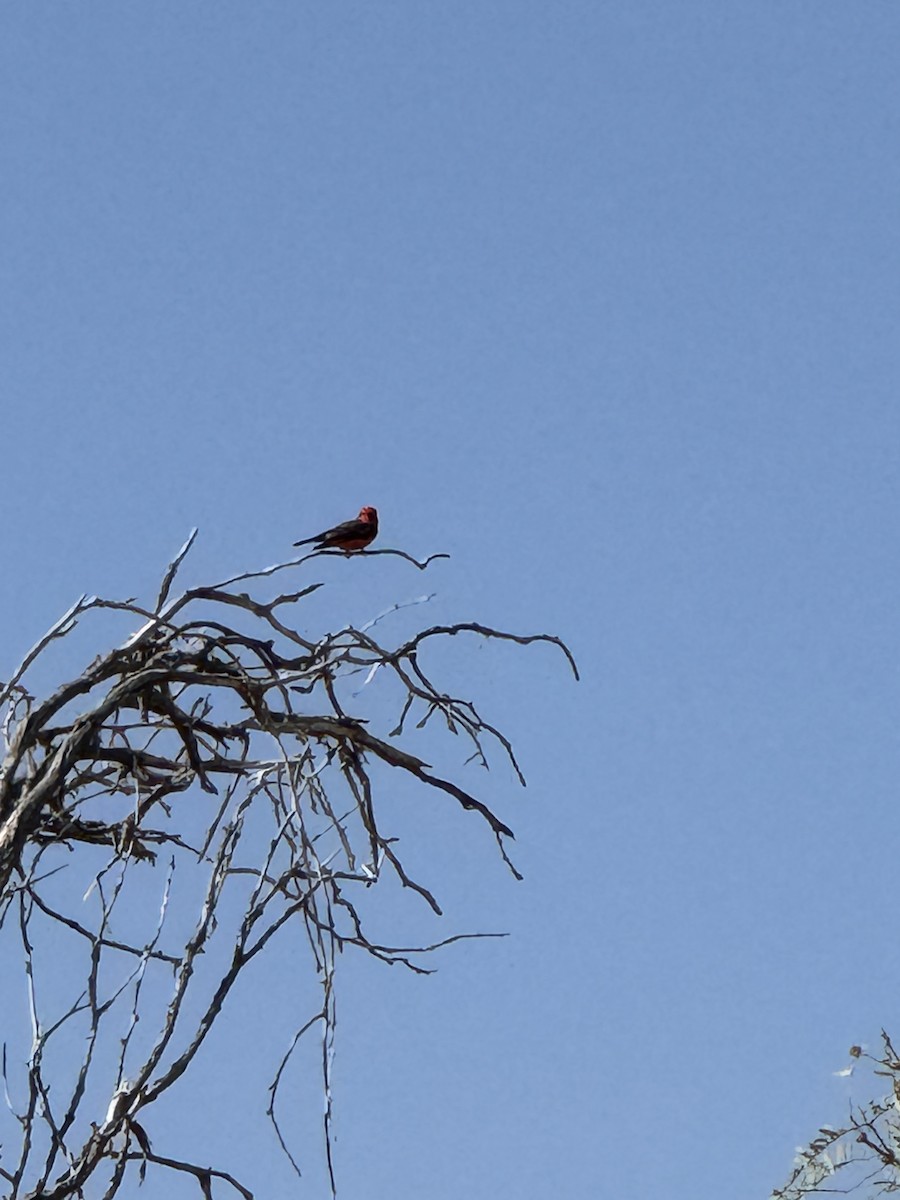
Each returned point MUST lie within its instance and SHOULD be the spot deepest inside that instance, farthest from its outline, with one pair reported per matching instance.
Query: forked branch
(216, 751)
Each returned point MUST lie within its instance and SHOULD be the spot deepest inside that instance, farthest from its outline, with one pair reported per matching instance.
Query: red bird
(351, 535)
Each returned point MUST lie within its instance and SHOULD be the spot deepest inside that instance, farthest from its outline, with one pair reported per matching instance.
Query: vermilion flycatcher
(351, 535)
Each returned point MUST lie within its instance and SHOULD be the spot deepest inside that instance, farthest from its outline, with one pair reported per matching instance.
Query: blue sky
(601, 299)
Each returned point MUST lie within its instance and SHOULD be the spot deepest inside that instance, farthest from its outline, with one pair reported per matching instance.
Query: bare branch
(221, 745)
(172, 569)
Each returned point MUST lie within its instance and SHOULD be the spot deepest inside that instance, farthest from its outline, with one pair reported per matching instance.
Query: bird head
(369, 515)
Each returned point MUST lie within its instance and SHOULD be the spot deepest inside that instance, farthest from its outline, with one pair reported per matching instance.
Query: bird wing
(346, 531)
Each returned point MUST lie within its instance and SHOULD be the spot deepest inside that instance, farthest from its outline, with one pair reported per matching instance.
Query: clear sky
(601, 298)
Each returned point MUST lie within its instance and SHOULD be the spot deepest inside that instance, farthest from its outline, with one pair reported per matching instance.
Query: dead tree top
(216, 690)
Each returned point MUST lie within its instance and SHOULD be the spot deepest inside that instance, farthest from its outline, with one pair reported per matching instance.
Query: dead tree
(108, 859)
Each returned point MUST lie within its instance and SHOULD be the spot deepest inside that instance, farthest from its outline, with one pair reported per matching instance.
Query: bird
(349, 536)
